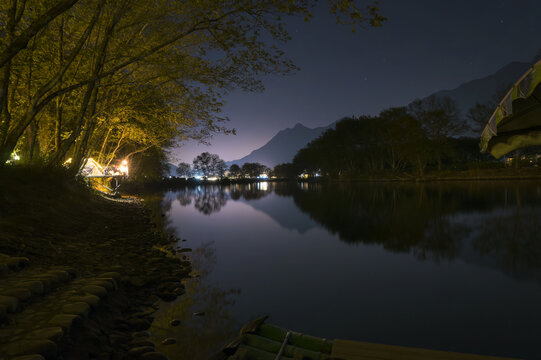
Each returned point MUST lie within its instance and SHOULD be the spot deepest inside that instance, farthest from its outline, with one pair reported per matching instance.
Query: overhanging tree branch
(21, 41)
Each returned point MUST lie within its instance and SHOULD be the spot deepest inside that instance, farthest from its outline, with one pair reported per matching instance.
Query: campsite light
(124, 167)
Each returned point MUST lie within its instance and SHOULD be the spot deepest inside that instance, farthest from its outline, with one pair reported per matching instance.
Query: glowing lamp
(124, 167)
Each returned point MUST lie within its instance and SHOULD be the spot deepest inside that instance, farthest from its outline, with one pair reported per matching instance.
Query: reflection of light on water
(263, 186)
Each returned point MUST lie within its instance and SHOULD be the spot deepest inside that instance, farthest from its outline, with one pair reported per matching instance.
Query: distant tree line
(425, 135)
(206, 165)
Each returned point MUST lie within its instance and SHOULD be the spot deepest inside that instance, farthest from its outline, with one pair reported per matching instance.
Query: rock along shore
(80, 275)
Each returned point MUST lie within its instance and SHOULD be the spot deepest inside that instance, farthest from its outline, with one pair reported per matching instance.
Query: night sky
(425, 46)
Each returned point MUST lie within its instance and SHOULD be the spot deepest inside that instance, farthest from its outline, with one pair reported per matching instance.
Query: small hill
(283, 146)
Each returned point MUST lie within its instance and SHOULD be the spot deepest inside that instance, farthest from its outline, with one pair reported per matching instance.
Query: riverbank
(474, 174)
(113, 267)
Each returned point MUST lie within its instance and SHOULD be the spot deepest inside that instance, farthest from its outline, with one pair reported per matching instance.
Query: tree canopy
(234, 171)
(111, 79)
(397, 140)
(254, 170)
(184, 170)
(209, 165)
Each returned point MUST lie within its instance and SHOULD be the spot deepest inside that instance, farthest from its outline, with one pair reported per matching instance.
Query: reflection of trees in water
(496, 220)
(197, 337)
(210, 199)
(184, 199)
(250, 191)
(419, 218)
(402, 219)
(207, 199)
(511, 236)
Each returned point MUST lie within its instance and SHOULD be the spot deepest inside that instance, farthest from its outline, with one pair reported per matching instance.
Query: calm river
(448, 266)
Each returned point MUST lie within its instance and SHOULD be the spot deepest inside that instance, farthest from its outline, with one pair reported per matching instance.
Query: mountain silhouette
(286, 143)
(482, 90)
(283, 146)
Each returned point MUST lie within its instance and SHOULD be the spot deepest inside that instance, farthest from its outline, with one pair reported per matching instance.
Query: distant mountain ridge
(481, 90)
(283, 146)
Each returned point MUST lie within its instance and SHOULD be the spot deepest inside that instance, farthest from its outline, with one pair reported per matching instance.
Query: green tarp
(516, 122)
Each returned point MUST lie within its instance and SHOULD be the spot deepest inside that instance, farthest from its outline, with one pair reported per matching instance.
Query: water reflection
(511, 237)
(446, 266)
(210, 199)
(436, 221)
(432, 221)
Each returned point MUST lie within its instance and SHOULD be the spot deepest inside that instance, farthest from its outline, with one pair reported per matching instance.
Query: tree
(148, 165)
(479, 114)
(108, 78)
(404, 140)
(184, 170)
(351, 147)
(220, 168)
(209, 165)
(440, 120)
(234, 171)
(286, 171)
(253, 170)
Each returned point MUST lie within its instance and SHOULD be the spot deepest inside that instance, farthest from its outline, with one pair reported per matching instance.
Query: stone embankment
(57, 314)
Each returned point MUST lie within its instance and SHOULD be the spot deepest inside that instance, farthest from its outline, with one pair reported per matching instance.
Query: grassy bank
(55, 221)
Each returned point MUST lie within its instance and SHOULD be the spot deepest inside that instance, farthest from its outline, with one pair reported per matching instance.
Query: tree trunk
(32, 140)
(5, 116)
(58, 117)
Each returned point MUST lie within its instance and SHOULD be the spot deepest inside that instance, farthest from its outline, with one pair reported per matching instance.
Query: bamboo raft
(260, 341)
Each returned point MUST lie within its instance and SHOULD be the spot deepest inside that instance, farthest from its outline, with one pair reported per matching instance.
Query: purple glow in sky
(425, 46)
